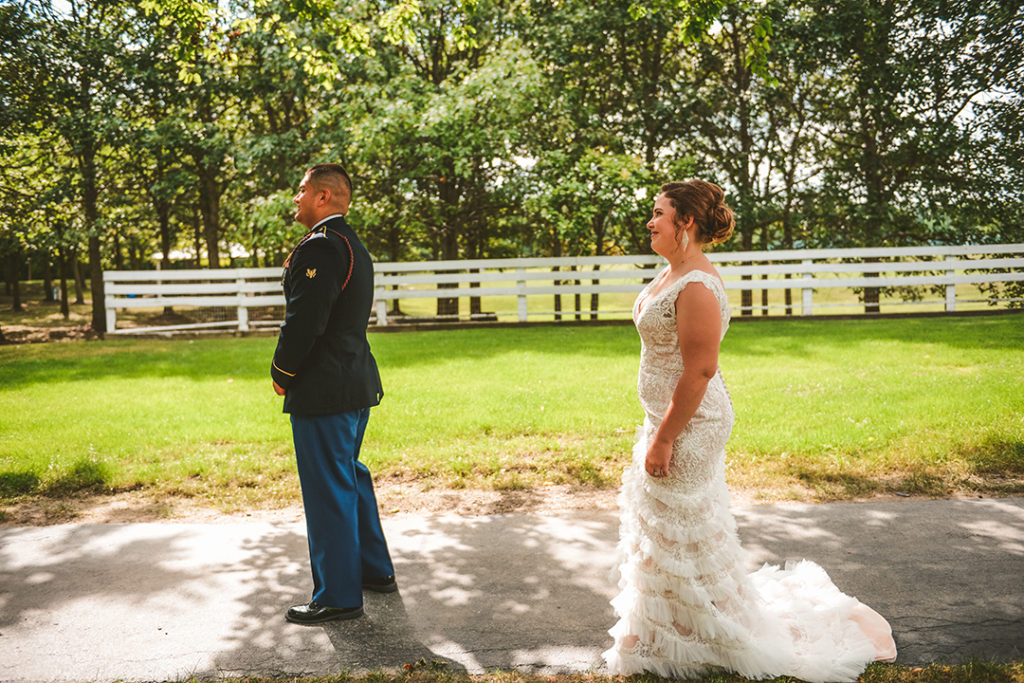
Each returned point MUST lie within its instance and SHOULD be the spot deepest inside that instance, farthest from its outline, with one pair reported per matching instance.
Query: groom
(328, 377)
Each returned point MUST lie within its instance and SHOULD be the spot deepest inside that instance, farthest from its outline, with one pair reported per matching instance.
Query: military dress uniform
(323, 362)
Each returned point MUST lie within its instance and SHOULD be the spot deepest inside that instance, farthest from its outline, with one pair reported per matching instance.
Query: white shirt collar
(324, 220)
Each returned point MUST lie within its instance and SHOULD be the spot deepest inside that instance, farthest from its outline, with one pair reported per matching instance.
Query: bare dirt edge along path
(393, 498)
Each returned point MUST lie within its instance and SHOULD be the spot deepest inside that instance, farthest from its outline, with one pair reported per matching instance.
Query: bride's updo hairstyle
(706, 203)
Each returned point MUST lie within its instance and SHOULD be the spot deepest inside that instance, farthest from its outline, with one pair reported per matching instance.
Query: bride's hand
(658, 457)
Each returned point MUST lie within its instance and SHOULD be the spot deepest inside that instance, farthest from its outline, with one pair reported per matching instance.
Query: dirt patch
(26, 334)
(414, 497)
(392, 497)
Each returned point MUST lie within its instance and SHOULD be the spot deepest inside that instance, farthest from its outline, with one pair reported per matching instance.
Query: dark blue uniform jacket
(323, 358)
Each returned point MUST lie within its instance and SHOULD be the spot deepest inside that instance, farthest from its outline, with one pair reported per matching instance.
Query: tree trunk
(395, 245)
(99, 317)
(746, 295)
(209, 203)
(79, 277)
(556, 252)
(787, 243)
(12, 281)
(134, 256)
(577, 299)
(872, 294)
(90, 196)
(872, 46)
(62, 260)
(475, 307)
(197, 237)
(163, 214)
(118, 257)
(764, 292)
(48, 296)
(448, 195)
(558, 297)
(473, 252)
(746, 186)
(600, 226)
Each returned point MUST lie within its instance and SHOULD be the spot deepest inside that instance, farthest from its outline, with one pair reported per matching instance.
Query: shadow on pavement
(170, 601)
(479, 593)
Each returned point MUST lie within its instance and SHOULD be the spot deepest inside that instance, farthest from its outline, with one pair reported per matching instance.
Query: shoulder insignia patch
(311, 273)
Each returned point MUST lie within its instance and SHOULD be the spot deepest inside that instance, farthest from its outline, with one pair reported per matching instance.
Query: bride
(687, 605)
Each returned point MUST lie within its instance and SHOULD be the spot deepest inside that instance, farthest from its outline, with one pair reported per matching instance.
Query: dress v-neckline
(649, 298)
(643, 303)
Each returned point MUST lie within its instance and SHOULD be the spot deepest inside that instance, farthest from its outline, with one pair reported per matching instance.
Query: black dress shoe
(312, 613)
(384, 585)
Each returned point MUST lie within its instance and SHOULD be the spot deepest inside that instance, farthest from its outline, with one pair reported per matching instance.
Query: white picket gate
(806, 270)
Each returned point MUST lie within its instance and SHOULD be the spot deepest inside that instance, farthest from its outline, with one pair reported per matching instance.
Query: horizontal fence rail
(250, 298)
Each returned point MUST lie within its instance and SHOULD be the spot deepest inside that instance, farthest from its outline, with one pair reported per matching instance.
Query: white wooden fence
(809, 271)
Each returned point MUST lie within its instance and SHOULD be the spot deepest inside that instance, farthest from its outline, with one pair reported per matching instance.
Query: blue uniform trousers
(346, 542)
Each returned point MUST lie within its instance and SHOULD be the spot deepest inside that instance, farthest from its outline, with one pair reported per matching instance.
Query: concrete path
(162, 602)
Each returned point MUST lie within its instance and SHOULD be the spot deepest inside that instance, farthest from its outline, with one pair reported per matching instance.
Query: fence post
(108, 302)
(807, 303)
(243, 310)
(521, 300)
(951, 287)
(382, 307)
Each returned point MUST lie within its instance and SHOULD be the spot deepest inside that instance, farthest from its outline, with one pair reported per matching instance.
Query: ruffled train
(687, 605)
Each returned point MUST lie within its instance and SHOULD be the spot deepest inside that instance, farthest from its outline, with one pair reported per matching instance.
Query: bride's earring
(685, 241)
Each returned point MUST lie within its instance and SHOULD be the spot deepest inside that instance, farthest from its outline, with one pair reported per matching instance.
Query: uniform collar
(321, 222)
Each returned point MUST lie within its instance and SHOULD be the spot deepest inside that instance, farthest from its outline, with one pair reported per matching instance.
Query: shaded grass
(38, 313)
(826, 410)
(974, 671)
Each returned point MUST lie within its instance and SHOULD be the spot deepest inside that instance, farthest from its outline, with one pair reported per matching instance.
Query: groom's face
(306, 203)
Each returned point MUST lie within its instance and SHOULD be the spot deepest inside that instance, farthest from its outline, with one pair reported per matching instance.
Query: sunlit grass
(825, 410)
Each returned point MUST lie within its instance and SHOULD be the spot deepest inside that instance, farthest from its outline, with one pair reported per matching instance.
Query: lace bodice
(661, 363)
(667, 308)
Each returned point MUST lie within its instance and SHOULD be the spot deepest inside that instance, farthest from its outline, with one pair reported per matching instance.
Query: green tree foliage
(79, 90)
(21, 72)
(483, 128)
(900, 108)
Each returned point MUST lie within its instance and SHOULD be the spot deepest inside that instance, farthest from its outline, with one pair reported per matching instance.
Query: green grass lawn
(826, 409)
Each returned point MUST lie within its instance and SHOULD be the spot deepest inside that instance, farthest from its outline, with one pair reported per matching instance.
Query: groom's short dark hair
(332, 176)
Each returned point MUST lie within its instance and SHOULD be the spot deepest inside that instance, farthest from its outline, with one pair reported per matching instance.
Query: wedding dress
(687, 605)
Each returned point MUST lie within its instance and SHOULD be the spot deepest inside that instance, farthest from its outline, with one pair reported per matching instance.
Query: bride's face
(663, 227)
